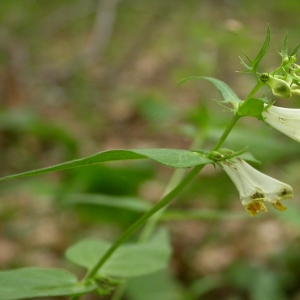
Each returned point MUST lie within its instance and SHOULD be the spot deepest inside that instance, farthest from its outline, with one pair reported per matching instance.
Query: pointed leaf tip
(175, 158)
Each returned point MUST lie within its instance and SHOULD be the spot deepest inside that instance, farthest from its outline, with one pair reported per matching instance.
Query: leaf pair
(130, 260)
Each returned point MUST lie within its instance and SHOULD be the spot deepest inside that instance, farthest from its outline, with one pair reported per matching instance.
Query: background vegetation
(79, 77)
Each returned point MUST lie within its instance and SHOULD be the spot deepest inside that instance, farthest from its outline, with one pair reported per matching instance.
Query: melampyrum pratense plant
(110, 264)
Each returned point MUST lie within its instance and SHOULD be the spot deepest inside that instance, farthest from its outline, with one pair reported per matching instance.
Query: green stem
(151, 223)
(174, 180)
(235, 118)
(258, 85)
(225, 134)
(164, 201)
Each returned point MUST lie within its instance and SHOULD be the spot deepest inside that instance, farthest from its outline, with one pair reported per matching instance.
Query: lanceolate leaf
(255, 62)
(27, 283)
(284, 50)
(295, 50)
(226, 92)
(171, 157)
(263, 50)
(130, 260)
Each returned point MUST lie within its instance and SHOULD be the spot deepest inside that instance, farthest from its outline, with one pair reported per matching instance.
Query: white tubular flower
(286, 120)
(255, 187)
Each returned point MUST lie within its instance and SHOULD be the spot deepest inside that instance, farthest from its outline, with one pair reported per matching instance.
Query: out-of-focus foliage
(79, 77)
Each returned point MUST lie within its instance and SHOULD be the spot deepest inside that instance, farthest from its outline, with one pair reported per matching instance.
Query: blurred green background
(79, 77)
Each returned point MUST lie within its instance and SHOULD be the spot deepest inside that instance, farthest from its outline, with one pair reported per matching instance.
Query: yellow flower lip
(255, 206)
(279, 206)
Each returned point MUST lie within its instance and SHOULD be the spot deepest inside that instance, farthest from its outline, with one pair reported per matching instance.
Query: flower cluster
(282, 86)
(285, 80)
(253, 186)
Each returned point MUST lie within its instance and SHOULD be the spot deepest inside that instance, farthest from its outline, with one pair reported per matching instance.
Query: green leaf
(255, 62)
(170, 157)
(130, 260)
(38, 282)
(262, 51)
(284, 50)
(252, 108)
(130, 203)
(295, 50)
(249, 59)
(226, 92)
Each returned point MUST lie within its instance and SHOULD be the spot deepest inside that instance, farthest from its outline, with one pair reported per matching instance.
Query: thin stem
(225, 134)
(235, 118)
(164, 201)
(258, 85)
(151, 223)
(174, 180)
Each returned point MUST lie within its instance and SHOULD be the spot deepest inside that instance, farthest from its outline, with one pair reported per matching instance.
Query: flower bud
(279, 87)
(294, 68)
(215, 156)
(295, 89)
(293, 58)
(288, 60)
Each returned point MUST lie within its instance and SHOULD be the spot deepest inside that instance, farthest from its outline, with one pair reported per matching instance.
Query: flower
(286, 120)
(255, 187)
